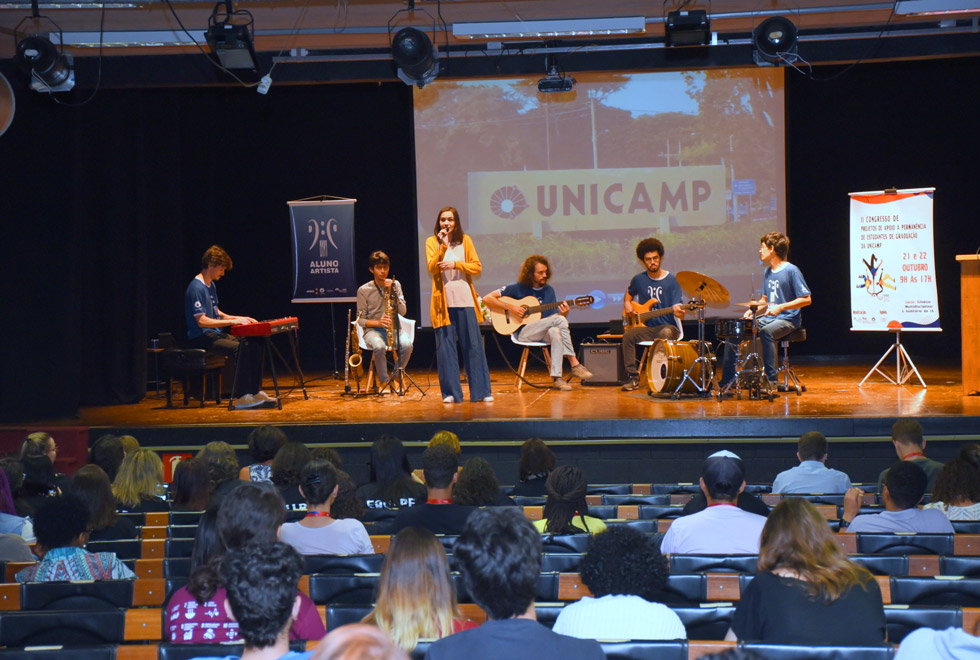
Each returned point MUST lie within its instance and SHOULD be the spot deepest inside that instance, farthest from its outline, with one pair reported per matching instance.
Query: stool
(188, 363)
(528, 345)
(785, 370)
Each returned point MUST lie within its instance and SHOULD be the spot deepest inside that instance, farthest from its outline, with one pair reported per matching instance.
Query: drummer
(659, 286)
(786, 293)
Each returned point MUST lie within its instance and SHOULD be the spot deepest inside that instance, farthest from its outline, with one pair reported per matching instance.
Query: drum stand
(707, 369)
(755, 376)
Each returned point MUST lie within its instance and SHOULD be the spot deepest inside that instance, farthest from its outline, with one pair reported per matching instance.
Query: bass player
(653, 289)
(553, 324)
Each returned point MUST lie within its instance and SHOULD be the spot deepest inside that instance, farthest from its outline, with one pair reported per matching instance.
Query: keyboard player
(206, 325)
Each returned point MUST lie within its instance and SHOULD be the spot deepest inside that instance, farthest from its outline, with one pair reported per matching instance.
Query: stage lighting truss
(774, 42)
(232, 43)
(49, 67)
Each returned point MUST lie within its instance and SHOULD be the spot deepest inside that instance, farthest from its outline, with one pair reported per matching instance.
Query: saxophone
(390, 312)
(354, 359)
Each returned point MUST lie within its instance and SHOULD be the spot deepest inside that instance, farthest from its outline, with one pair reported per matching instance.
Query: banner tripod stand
(904, 367)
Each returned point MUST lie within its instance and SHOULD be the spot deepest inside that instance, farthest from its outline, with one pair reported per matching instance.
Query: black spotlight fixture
(774, 41)
(415, 57)
(687, 28)
(50, 69)
(232, 43)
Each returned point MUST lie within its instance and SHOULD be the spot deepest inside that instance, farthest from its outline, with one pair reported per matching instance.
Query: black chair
(187, 364)
(902, 619)
(329, 589)
(124, 549)
(448, 541)
(177, 567)
(340, 615)
(65, 627)
(181, 531)
(966, 526)
(640, 650)
(956, 565)
(547, 613)
(172, 584)
(565, 542)
(646, 526)
(904, 544)
(547, 588)
(342, 563)
(656, 511)
(98, 595)
(794, 652)
(706, 621)
(560, 562)
(88, 652)
(686, 589)
(603, 511)
(636, 499)
(713, 563)
(527, 500)
(609, 489)
(170, 651)
(185, 517)
(964, 592)
(894, 565)
(182, 547)
(138, 518)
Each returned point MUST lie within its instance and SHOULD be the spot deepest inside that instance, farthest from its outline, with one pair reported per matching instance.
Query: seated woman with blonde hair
(139, 484)
(807, 591)
(416, 596)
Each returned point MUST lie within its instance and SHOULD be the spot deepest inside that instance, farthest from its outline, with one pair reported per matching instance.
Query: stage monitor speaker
(605, 361)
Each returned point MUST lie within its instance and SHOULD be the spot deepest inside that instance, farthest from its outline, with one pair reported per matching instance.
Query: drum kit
(687, 367)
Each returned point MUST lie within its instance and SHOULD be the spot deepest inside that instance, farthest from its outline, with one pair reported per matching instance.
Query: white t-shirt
(723, 529)
(952, 512)
(619, 617)
(458, 293)
(341, 537)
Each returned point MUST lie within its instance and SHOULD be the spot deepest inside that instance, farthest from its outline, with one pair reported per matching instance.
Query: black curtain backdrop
(108, 207)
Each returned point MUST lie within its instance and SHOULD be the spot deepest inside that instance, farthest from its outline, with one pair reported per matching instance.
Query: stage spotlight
(50, 69)
(687, 28)
(556, 82)
(232, 43)
(416, 59)
(774, 41)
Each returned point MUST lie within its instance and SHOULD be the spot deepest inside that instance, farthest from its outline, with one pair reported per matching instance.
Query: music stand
(399, 372)
(904, 367)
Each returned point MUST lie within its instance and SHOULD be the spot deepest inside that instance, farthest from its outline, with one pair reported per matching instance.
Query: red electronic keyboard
(265, 328)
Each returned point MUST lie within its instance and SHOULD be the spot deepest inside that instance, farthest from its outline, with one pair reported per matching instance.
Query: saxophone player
(373, 307)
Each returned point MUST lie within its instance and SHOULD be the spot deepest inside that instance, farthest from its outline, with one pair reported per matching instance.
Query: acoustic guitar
(507, 323)
(641, 313)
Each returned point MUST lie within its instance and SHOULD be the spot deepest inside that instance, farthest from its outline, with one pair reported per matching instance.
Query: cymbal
(695, 283)
(752, 304)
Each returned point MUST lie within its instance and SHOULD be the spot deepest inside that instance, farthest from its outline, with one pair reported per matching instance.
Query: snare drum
(733, 328)
(669, 360)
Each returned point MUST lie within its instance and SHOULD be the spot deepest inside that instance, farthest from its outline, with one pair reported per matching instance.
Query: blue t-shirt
(545, 295)
(666, 290)
(783, 286)
(200, 299)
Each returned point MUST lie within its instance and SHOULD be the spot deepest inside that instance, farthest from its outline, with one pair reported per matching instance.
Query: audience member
(357, 641)
(625, 572)
(15, 477)
(807, 591)
(565, 510)
(910, 446)
(745, 501)
(263, 443)
(447, 438)
(10, 522)
(905, 483)
(195, 613)
(318, 533)
(129, 444)
(391, 484)
(499, 557)
(328, 454)
(61, 524)
(222, 464)
(13, 547)
(957, 490)
(811, 475)
(949, 644)
(477, 485)
(40, 482)
(40, 444)
(261, 580)
(191, 487)
(438, 514)
(722, 528)
(416, 597)
(139, 484)
(286, 468)
(347, 504)
(92, 486)
(107, 452)
(533, 468)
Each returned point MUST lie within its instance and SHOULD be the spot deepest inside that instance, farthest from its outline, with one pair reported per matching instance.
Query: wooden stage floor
(833, 403)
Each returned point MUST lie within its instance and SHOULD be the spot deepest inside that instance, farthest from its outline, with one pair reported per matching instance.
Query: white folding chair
(407, 337)
(528, 345)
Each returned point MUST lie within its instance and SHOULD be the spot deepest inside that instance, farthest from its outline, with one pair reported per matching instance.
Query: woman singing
(452, 260)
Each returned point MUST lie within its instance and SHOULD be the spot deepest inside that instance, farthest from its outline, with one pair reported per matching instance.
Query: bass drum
(668, 362)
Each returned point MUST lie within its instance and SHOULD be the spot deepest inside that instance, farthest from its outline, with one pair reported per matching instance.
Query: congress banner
(893, 273)
(323, 250)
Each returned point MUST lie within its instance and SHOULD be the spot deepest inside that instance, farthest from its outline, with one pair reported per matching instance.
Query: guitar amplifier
(605, 361)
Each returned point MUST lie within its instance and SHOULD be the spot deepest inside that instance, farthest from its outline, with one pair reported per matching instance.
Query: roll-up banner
(323, 249)
(893, 267)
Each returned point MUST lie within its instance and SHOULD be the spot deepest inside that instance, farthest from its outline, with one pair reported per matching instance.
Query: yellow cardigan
(434, 253)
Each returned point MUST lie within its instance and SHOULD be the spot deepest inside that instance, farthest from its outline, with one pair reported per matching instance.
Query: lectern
(970, 315)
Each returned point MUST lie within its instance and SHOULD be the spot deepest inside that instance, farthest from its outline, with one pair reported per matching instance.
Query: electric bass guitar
(507, 323)
(641, 313)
